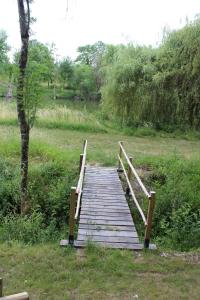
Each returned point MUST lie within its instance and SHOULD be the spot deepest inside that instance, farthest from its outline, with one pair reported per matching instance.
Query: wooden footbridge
(99, 203)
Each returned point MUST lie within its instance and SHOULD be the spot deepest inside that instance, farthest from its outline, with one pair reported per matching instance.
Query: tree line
(137, 85)
(157, 87)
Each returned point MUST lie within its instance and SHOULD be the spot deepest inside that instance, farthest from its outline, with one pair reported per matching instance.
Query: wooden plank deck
(105, 217)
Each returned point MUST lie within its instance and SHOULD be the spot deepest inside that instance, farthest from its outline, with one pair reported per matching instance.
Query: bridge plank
(105, 213)
(106, 233)
(106, 239)
(106, 222)
(107, 227)
(131, 246)
(88, 217)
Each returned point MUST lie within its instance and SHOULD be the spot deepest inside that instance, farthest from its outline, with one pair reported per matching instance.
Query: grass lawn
(102, 147)
(49, 272)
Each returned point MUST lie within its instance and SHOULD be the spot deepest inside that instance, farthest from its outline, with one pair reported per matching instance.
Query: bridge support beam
(149, 219)
(129, 177)
(73, 199)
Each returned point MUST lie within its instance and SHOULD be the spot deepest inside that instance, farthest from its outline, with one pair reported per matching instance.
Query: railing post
(151, 206)
(84, 144)
(73, 198)
(1, 287)
(120, 155)
(129, 176)
(80, 162)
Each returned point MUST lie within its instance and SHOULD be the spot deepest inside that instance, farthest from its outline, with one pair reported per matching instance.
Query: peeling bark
(24, 21)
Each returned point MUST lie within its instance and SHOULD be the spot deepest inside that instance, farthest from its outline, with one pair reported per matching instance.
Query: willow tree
(23, 107)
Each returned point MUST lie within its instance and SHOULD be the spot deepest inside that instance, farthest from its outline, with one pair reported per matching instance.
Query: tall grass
(59, 117)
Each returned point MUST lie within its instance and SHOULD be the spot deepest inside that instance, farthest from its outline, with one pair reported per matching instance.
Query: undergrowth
(86, 116)
(54, 169)
(176, 181)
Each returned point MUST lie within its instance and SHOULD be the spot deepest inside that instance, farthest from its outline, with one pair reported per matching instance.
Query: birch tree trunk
(24, 21)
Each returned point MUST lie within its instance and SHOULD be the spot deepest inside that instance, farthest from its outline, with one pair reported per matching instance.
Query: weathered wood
(105, 216)
(149, 219)
(81, 244)
(133, 169)
(97, 193)
(104, 197)
(103, 188)
(104, 205)
(108, 239)
(123, 211)
(113, 218)
(106, 233)
(107, 227)
(105, 213)
(1, 287)
(103, 201)
(81, 178)
(92, 207)
(80, 162)
(73, 198)
(129, 177)
(105, 222)
(133, 194)
(120, 155)
(20, 296)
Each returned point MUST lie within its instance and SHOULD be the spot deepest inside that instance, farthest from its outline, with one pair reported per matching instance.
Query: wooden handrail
(134, 171)
(132, 193)
(20, 296)
(151, 196)
(76, 193)
(1, 287)
(75, 197)
(80, 181)
(81, 177)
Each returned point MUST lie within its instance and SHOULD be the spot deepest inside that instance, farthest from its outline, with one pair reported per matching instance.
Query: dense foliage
(156, 87)
(139, 86)
(176, 219)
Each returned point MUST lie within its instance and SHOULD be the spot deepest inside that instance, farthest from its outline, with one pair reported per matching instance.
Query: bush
(49, 188)
(183, 229)
(177, 185)
(158, 85)
(9, 188)
(28, 229)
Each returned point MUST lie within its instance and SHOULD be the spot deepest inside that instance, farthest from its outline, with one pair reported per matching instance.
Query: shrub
(177, 185)
(9, 187)
(28, 229)
(49, 186)
(182, 231)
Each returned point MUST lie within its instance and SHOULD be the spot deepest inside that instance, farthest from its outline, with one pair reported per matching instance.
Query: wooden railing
(76, 193)
(20, 296)
(150, 195)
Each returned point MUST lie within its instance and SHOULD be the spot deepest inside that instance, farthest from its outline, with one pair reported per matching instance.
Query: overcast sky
(72, 23)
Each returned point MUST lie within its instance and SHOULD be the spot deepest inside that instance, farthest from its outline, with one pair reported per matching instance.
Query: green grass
(170, 165)
(57, 116)
(84, 117)
(106, 144)
(49, 272)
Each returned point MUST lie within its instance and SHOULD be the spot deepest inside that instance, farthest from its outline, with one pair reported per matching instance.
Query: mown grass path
(103, 146)
(49, 272)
